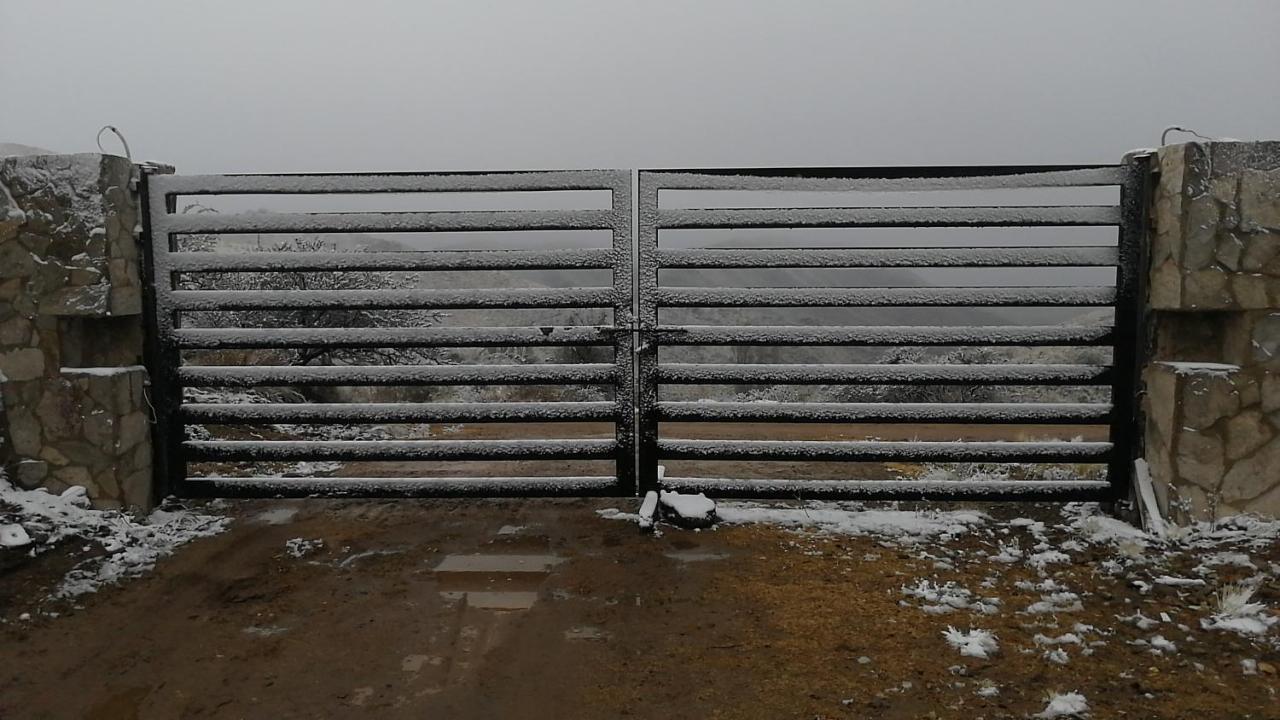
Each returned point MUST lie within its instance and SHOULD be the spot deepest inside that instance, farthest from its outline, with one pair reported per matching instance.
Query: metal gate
(640, 339)
(1118, 333)
(173, 263)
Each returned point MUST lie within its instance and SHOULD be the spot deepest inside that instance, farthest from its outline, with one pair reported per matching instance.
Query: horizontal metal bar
(549, 336)
(586, 486)
(337, 413)
(328, 183)
(1000, 490)
(882, 297)
(447, 221)
(547, 374)
(208, 450)
(983, 413)
(891, 179)
(885, 335)
(517, 298)
(883, 451)
(855, 374)
(573, 259)
(1085, 256)
(1011, 216)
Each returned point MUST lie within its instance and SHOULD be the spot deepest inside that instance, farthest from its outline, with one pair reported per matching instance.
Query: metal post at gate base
(1130, 323)
(647, 337)
(160, 355)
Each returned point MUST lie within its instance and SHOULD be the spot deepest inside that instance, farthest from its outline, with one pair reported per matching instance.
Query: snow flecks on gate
(131, 546)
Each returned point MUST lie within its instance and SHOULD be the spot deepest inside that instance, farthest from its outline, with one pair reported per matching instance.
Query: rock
(1206, 399)
(133, 429)
(1246, 432)
(1259, 251)
(1260, 199)
(1200, 459)
(1270, 392)
(1206, 289)
(30, 473)
(24, 431)
(1254, 475)
(22, 364)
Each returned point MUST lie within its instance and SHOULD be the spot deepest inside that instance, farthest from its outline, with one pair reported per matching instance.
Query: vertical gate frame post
(1130, 324)
(623, 338)
(161, 355)
(647, 350)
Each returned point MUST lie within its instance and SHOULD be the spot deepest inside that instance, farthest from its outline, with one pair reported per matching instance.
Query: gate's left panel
(434, 334)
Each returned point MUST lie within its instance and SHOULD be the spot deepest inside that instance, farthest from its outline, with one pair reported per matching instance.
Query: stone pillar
(71, 334)
(1213, 382)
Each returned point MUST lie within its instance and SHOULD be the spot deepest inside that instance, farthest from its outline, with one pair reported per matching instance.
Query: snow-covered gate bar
(171, 260)
(1131, 180)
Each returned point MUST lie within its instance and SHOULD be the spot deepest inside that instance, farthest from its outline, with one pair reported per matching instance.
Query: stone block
(1200, 459)
(1260, 200)
(1254, 475)
(21, 364)
(30, 474)
(1247, 432)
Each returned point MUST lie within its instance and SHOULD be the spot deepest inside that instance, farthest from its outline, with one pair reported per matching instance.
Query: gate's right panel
(914, 333)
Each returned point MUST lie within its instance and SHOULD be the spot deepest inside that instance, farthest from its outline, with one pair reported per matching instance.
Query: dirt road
(570, 615)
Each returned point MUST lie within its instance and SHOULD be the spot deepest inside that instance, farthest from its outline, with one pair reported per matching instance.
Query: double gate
(231, 311)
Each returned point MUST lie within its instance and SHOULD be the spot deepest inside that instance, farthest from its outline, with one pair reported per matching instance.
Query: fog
(256, 86)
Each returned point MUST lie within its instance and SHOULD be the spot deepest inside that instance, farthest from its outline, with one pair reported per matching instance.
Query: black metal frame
(168, 338)
(636, 336)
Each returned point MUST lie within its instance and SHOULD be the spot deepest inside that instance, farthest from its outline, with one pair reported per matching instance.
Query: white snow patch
(905, 525)
(975, 643)
(1061, 602)
(301, 547)
(1237, 614)
(1162, 645)
(132, 546)
(14, 536)
(1201, 368)
(690, 507)
(1057, 656)
(101, 371)
(1071, 704)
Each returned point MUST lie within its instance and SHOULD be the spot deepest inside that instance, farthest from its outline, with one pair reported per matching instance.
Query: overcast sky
(303, 85)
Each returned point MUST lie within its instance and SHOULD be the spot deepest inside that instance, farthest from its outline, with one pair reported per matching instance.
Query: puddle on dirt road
(494, 582)
(688, 556)
(483, 597)
(275, 516)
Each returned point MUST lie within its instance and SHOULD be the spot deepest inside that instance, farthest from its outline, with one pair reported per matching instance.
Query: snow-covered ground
(120, 546)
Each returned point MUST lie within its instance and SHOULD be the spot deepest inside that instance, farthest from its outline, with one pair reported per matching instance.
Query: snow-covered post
(71, 333)
(1213, 380)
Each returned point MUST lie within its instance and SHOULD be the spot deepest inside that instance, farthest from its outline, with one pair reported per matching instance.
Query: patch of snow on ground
(1071, 704)
(975, 643)
(132, 547)
(301, 547)
(1236, 612)
(692, 507)
(827, 517)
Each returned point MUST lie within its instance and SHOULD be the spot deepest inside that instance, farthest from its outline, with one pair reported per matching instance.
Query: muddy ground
(572, 615)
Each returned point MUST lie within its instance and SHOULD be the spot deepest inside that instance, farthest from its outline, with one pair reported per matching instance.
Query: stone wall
(1213, 385)
(71, 335)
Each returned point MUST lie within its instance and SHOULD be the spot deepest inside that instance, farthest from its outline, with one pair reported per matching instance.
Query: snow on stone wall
(70, 304)
(1213, 388)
